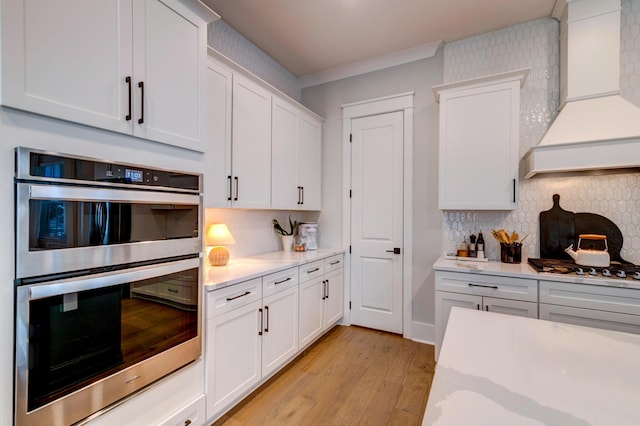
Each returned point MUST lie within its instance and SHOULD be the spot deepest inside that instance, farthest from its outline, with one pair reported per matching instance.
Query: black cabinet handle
(141, 86)
(478, 307)
(327, 289)
(310, 271)
(299, 196)
(302, 202)
(187, 422)
(246, 293)
(261, 321)
(514, 190)
(237, 187)
(283, 281)
(495, 287)
(486, 308)
(266, 328)
(324, 289)
(128, 80)
(171, 290)
(334, 263)
(230, 188)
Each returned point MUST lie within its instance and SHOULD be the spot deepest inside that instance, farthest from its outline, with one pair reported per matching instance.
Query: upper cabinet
(134, 67)
(296, 158)
(263, 150)
(479, 142)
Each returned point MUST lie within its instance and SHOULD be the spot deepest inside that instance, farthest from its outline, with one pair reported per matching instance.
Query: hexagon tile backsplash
(535, 45)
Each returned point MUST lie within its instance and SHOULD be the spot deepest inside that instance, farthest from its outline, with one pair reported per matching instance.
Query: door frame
(393, 103)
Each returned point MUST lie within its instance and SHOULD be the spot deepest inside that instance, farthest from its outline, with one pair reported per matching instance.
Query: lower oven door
(85, 343)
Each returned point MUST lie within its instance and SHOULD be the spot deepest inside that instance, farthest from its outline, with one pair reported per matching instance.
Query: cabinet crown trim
(515, 75)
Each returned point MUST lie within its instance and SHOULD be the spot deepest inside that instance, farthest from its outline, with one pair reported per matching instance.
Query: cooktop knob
(593, 271)
(580, 271)
(621, 274)
(606, 272)
(636, 276)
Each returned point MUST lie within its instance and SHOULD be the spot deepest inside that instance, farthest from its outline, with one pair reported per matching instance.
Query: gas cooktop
(561, 266)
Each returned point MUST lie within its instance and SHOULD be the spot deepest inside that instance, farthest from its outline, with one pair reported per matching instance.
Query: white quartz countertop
(246, 268)
(497, 369)
(524, 270)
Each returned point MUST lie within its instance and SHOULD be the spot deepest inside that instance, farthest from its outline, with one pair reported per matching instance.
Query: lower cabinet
(506, 295)
(193, 414)
(255, 327)
(610, 308)
(321, 298)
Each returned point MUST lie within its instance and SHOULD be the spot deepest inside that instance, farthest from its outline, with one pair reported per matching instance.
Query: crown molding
(412, 54)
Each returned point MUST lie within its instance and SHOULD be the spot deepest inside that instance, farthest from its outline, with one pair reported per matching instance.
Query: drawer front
(311, 270)
(488, 285)
(232, 297)
(278, 281)
(591, 318)
(612, 299)
(334, 262)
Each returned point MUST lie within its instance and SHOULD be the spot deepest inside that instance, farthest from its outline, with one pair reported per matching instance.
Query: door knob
(396, 250)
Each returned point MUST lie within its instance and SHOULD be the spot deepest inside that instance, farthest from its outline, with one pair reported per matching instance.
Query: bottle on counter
(480, 246)
(472, 246)
(463, 249)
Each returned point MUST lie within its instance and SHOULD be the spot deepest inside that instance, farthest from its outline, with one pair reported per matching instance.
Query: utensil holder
(511, 253)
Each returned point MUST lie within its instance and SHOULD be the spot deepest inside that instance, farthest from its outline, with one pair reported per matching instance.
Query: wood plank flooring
(351, 376)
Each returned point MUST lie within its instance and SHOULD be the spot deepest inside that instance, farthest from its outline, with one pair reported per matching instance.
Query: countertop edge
(247, 268)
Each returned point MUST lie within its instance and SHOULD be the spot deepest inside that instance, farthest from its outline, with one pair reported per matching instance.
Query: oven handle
(107, 279)
(80, 193)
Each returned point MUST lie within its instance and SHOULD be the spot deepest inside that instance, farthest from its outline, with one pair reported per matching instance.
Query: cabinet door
(285, 186)
(309, 161)
(170, 61)
(591, 318)
(311, 306)
(280, 337)
(444, 302)
(251, 156)
(233, 352)
(510, 307)
(68, 59)
(479, 130)
(333, 297)
(218, 177)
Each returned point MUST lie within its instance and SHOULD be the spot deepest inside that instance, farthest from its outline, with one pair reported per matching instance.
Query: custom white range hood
(596, 128)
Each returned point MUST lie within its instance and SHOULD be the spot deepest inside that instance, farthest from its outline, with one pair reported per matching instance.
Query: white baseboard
(423, 332)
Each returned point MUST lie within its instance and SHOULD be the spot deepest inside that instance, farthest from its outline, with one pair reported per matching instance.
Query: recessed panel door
(377, 221)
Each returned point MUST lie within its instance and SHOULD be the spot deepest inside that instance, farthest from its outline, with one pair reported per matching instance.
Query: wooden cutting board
(557, 231)
(560, 228)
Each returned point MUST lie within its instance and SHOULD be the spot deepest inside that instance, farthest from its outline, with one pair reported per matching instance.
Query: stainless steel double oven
(108, 279)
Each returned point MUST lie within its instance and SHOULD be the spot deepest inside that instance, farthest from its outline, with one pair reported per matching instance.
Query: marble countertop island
(496, 369)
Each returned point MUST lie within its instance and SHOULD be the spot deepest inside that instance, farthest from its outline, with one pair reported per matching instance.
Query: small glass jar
(299, 243)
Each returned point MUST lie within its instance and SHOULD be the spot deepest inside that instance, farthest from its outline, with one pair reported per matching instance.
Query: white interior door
(377, 221)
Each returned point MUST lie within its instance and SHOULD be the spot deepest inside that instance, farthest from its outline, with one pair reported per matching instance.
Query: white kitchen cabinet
(610, 308)
(218, 177)
(296, 149)
(321, 297)
(506, 295)
(479, 142)
(250, 180)
(134, 67)
(191, 415)
(280, 322)
(233, 344)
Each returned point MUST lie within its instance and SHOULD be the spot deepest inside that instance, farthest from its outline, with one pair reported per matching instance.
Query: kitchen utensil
(557, 231)
(590, 257)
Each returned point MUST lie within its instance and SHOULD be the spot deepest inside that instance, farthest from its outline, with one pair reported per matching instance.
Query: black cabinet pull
(495, 287)
(299, 196)
(171, 290)
(141, 86)
(486, 308)
(187, 422)
(230, 188)
(310, 271)
(128, 80)
(327, 289)
(266, 328)
(334, 263)
(514, 190)
(246, 293)
(261, 321)
(283, 281)
(478, 307)
(237, 187)
(324, 289)
(302, 202)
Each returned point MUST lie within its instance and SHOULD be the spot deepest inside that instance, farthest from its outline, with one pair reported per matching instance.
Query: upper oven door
(63, 228)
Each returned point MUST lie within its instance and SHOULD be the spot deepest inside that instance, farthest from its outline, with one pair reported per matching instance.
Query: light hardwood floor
(351, 376)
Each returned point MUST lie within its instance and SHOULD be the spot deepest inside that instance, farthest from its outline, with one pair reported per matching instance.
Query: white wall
(25, 129)
(326, 100)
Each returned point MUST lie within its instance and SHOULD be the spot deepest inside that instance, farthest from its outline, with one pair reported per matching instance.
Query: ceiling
(308, 37)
